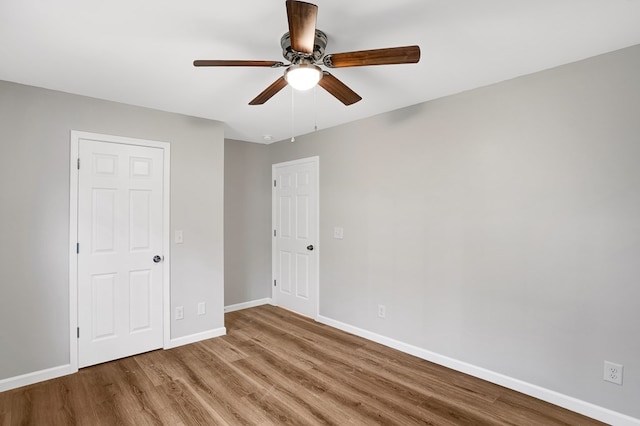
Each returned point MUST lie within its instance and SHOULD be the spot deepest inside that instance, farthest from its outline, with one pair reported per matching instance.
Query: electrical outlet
(382, 311)
(613, 372)
(179, 312)
(202, 308)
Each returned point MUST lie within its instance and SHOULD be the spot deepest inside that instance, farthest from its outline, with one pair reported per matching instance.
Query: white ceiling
(140, 52)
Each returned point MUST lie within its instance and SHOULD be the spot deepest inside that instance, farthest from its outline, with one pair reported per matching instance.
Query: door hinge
(78, 331)
(274, 283)
(78, 164)
(274, 233)
(274, 183)
(77, 248)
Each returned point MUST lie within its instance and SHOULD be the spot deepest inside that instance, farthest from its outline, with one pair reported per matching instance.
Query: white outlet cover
(179, 312)
(202, 309)
(613, 372)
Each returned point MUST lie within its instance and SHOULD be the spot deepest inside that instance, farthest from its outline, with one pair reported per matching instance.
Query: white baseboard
(63, 370)
(197, 337)
(35, 377)
(556, 398)
(247, 305)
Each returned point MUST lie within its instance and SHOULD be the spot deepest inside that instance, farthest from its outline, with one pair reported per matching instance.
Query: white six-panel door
(295, 248)
(120, 226)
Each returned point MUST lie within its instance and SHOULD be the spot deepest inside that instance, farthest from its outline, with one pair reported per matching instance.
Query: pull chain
(315, 109)
(293, 138)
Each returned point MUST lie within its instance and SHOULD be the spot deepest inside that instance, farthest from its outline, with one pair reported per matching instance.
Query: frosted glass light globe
(303, 77)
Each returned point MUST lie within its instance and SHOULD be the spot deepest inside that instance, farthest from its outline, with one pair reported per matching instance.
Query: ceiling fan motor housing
(297, 58)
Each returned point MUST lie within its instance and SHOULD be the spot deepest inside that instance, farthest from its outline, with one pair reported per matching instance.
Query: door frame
(274, 222)
(74, 141)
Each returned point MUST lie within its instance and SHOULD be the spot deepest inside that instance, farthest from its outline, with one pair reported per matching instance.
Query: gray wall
(34, 216)
(247, 222)
(500, 227)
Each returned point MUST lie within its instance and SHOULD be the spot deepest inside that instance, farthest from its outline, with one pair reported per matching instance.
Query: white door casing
(295, 242)
(121, 223)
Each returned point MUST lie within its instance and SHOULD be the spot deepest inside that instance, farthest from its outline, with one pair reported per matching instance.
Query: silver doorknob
(157, 259)
(310, 247)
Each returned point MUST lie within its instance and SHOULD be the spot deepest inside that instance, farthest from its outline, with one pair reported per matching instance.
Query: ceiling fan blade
(338, 89)
(207, 63)
(302, 25)
(275, 87)
(393, 55)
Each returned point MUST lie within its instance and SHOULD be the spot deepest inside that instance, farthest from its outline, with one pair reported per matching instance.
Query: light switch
(202, 308)
(179, 237)
(338, 233)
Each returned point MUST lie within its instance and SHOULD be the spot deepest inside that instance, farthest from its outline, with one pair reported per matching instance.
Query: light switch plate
(338, 233)
(179, 237)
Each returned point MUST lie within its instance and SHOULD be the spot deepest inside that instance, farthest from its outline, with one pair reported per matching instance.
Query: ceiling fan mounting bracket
(298, 58)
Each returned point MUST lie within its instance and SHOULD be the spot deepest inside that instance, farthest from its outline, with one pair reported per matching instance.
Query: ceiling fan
(303, 46)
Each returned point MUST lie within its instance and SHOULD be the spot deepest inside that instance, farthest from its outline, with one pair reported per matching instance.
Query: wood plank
(275, 367)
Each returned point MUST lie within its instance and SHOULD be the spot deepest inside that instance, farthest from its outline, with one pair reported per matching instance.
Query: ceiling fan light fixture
(303, 76)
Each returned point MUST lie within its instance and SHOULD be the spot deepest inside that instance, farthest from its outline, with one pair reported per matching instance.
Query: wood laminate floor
(275, 367)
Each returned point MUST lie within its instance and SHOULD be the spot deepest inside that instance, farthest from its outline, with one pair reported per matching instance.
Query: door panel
(302, 220)
(103, 290)
(103, 215)
(120, 224)
(296, 225)
(141, 296)
(140, 220)
(302, 278)
(285, 272)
